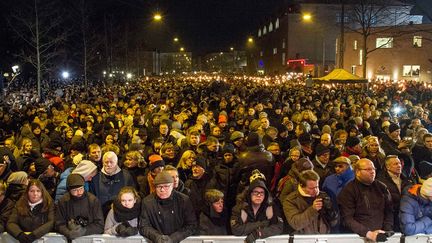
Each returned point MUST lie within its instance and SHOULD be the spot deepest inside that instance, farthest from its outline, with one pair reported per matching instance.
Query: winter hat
(85, 168)
(326, 129)
(425, 169)
(352, 141)
(254, 125)
(74, 181)
(253, 139)
(213, 195)
(305, 138)
(236, 135)
(393, 127)
(156, 161)
(41, 164)
(256, 174)
(321, 149)
(342, 159)
(228, 148)
(34, 125)
(163, 178)
(223, 118)
(55, 143)
(18, 178)
(262, 114)
(79, 133)
(385, 124)
(303, 164)
(200, 161)
(353, 158)
(385, 114)
(426, 188)
(78, 146)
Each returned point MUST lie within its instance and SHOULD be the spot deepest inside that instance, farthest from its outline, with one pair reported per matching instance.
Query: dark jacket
(37, 222)
(415, 212)
(173, 216)
(197, 189)
(87, 206)
(255, 158)
(365, 208)
(213, 223)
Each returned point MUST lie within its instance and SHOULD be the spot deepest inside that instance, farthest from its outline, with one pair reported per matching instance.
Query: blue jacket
(61, 187)
(415, 213)
(334, 184)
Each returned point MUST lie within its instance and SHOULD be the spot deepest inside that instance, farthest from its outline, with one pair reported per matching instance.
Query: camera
(83, 221)
(326, 200)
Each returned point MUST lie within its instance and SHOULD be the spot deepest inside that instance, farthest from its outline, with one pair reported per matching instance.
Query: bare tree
(368, 15)
(37, 24)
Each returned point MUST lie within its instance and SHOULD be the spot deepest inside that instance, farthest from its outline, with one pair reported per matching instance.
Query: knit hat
(163, 178)
(74, 181)
(78, 146)
(253, 139)
(200, 161)
(228, 148)
(305, 138)
(213, 195)
(303, 164)
(385, 114)
(84, 168)
(254, 125)
(256, 174)
(321, 149)
(41, 164)
(236, 135)
(342, 159)
(34, 125)
(18, 178)
(352, 141)
(353, 158)
(55, 143)
(426, 188)
(155, 161)
(393, 127)
(223, 118)
(262, 114)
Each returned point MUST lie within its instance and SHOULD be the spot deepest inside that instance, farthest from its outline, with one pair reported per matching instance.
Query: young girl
(122, 219)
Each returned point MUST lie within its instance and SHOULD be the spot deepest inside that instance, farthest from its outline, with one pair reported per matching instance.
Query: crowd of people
(168, 158)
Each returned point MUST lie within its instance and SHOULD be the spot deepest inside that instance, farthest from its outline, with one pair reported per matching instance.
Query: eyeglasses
(165, 187)
(257, 193)
(369, 169)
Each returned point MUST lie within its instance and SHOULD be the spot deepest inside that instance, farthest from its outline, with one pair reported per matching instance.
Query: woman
(33, 214)
(122, 219)
(135, 164)
(185, 164)
(23, 153)
(214, 217)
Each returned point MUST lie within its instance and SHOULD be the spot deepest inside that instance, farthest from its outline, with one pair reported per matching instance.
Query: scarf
(123, 214)
(32, 205)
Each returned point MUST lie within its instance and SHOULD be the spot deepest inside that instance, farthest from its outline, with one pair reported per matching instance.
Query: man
(178, 184)
(423, 153)
(365, 203)
(321, 162)
(395, 181)
(416, 209)
(326, 140)
(167, 215)
(352, 147)
(392, 142)
(307, 210)
(78, 212)
(95, 155)
(334, 184)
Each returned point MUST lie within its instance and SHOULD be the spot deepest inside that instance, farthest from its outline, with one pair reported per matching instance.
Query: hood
(258, 183)
(347, 175)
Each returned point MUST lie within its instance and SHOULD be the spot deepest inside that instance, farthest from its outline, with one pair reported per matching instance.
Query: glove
(72, 226)
(381, 237)
(250, 238)
(163, 239)
(26, 238)
(125, 230)
(77, 232)
(264, 223)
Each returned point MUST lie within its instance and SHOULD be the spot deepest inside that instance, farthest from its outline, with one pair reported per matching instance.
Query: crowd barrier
(337, 238)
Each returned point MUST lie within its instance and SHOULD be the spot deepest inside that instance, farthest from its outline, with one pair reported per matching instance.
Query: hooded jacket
(415, 213)
(334, 183)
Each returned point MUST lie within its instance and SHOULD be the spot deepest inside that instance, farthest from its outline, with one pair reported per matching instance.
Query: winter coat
(197, 189)
(213, 223)
(415, 213)
(255, 157)
(111, 222)
(173, 216)
(334, 184)
(365, 208)
(61, 187)
(87, 206)
(38, 222)
(6, 207)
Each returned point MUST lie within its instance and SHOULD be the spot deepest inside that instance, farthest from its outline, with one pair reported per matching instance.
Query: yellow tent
(340, 76)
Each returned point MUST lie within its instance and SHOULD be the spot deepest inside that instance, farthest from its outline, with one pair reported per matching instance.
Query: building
(175, 62)
(308, 30)
(225, 62)
(402, 52)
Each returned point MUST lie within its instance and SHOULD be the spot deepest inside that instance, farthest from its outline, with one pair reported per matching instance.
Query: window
(337, 46)
(353, 69)
(277, 24)
(384, 42)
(274, 51)
(265, 30)
(417, 41)
(283, 43)
(270, 27)
(411, 70)
(261, 53)
(283, 58)
(259, 33)
(338, 18)
(355, 45)
(361, 57)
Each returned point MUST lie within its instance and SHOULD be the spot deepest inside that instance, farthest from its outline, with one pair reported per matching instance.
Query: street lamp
(176, 39)
(65, 74)
(307, 17)
(182, 49)
(157, 17)
(250, 40)
(231, 48)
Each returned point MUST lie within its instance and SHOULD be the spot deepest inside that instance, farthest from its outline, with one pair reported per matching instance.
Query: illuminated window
(259, 33)
(337, 46)
(261, 53)
(283, 58)
(265, 30)
(274, 51)
(283, 43)
(384, 42)
(361, 57)
(411, 70)
(355, 45)
(270, 27)
(417, 41)
(277, 24)
(353, 69)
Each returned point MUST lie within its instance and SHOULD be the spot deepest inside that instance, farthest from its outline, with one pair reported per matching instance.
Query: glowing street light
(129, 75)
(157, 17)
(182, 49)
(250, 40)
(307, 17)
(231, 48)
(65, 74)
(176, 39)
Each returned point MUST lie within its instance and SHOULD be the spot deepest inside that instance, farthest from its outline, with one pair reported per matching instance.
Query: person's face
(69, 134)
(190, 160)
(217, 131)
(290, 126)
(34, 194)
(163, 129)
(340, 168)
(50, 171)
(239, 142)
(194, 140)
(163, 191)
(128, 200)
(257, 195)
(298, 131)
(395, 135)
(357, 148)
(9, 144)
(373, 145)
(109, 139)
(326, 139)
(274, 149)
(77, 192)
(265, 123)
(251, 112)
(91, 175)
(197, 171)
(366, 171)
(394, 166)
(170, 153)
(295, 155)
(110, 165)
(37, 131)
(228, 157)
(174, 175)
(324, 158)
(311, 188)
(95, 154)
(343, 137)
(218, 206)
(130, 162)
(213, 147)
(428, 142)
(28, 146)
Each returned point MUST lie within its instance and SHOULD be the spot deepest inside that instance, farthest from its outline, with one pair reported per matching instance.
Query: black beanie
(253, 139)
(352, 141)
(393, 127)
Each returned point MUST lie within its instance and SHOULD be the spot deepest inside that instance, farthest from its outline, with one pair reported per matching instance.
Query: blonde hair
(185, 156)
